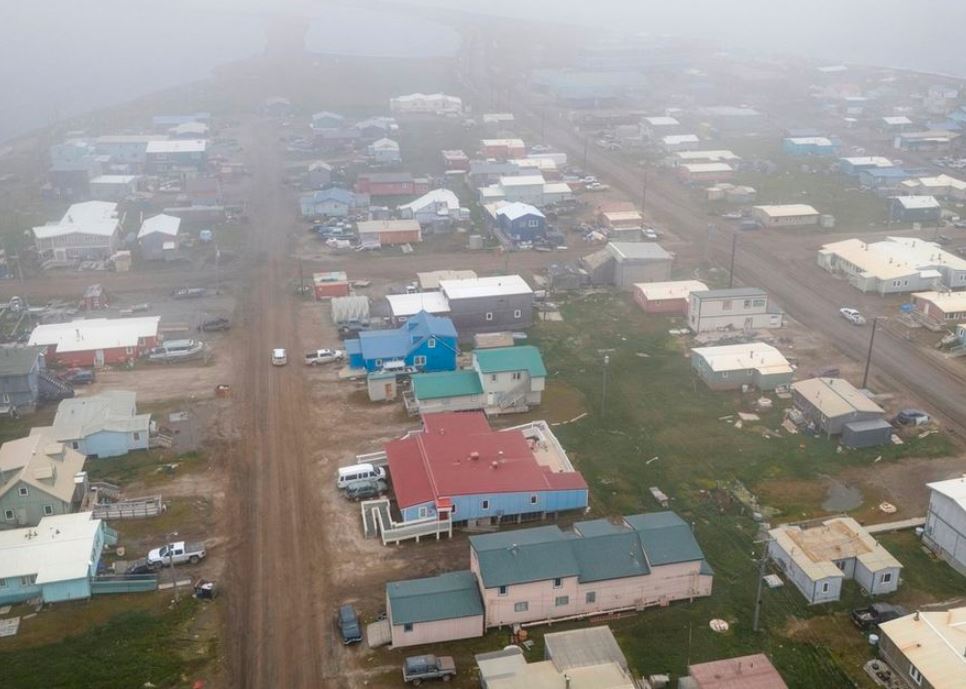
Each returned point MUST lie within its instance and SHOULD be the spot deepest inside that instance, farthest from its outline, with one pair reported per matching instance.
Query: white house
(894, 265)
(426, 104)
(945, 530)
(434, 207)
(819, 558)
(786, 215)
(731, 367)
(672, 143)
(738, 308)
(159, 236)
(384, 150)
(88, 231)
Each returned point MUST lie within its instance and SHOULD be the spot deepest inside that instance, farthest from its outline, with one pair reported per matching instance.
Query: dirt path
(279, 631)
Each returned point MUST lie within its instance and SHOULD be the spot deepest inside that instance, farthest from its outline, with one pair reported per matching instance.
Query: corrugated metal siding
(505, 504)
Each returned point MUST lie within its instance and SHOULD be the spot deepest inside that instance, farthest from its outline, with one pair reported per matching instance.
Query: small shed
(434, 609)
(350, 309)
(870, 433)
(639, 262)
(382, 386)
(331, 284)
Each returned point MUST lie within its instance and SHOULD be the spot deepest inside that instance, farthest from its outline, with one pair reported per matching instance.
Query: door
(98, 358)
(388, 391)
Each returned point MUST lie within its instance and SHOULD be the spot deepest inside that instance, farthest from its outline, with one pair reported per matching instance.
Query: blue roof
(445, 597)
(334, 194)
(596, 550)
(386, 344)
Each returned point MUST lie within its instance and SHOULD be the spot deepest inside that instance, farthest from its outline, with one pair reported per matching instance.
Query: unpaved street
(279, 615)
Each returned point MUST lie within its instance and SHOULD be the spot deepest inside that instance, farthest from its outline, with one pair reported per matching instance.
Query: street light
(868, 356)
(174, 577)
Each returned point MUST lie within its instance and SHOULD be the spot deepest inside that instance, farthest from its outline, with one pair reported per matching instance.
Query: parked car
(349, 627)
(189, 293)
(279, 357)
(911, 417)
(323, 356)
(359, 472)
(178, 553)
(418, 668)
(874, 615)
(79, 376)
(365, 489)
(852, 315)
(351, 331)
(214, 324)
(142, 566)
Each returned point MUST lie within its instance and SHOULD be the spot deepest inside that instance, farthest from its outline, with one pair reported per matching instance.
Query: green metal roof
(430, 386)
(501, 359)
(597, 550)
(445, 597)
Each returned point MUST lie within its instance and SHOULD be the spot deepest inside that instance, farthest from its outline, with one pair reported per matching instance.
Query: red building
(97, 342)
(503, 149)
(456, 160)
(666, 297)
(391, 184)
(328, 285)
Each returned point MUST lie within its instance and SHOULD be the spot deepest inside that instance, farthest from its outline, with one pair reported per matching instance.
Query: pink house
(442, 608)
(545, 574)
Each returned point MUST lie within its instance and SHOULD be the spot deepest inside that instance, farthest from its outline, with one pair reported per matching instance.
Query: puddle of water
(841, 497)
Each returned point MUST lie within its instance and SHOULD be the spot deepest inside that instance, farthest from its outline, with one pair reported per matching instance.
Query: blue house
(56, 560)
(883, 177)
(855, 165)
(424, 342)
(104, 425)
(483, 476)
(333, 202)
(809, 146)
(327, 120)
(521, 222)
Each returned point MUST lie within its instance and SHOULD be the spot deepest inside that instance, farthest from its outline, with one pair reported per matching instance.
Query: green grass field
(660, 427)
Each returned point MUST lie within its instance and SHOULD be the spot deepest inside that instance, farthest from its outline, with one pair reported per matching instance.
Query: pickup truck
(876, 614)
(418, 668)
(323, 356)
(178, 552)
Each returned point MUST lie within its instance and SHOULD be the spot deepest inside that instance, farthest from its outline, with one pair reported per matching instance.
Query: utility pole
(868, 356)
(734, 249)
(174, 577)
(301, 279)
(644, 192)
(761, 578)
(603, 387)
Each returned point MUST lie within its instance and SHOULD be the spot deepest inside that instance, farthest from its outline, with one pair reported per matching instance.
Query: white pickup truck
(178, 552)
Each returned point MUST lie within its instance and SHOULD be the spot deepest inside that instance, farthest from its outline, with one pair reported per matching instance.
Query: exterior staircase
(53, 389)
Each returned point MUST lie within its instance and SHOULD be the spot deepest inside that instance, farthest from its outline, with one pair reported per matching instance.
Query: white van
(359, 472)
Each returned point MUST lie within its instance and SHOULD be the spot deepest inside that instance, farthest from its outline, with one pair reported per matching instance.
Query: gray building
(870, 433)
(831, 403)
(489, 304)
(945, 530)
(38, 478)
(623, 264)
(20, 372)
(731, 367)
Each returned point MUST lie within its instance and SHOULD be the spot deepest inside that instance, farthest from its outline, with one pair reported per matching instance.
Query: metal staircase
(52, 389)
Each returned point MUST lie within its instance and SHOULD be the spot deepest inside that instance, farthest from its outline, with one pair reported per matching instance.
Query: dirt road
(279, 617)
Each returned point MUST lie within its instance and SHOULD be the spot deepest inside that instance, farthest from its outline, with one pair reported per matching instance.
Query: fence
(124, 583)
(132, 508)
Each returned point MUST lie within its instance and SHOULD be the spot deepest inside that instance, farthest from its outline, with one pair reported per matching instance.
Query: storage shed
(870, 433)
(636, 262)
(666, 297)
(331, 284)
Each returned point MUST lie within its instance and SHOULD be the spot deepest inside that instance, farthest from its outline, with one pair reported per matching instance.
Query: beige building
(786, 215)
(927, 649)
(746, 672)
(39, 477)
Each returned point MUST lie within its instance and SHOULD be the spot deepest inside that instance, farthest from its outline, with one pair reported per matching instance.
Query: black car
(79, 376)
(876, 614)
(365, 489)
(142, 566)
(214, 324)
(348, 622)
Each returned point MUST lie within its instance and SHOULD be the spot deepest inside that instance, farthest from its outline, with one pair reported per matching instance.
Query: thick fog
(62, 57)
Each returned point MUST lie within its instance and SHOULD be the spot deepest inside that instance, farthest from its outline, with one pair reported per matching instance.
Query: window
(484, 504)
(759, 302)
(74, 444)
(23, 491)
(557, 583)
(424, 512)
(378, 363)
(431, 343)
(533, 499)
(48, 510)
(28, 580)
(522, 606)
(489, 315)
(502, 590)
(8, 515)
(137, 436)
(517, 375)
(419, 360)
(492, 377)
(3, 583)
(561, 601)
(841, 565)
(915, 674)
(824, 587)
(517, 313)
(887, 577)
(726, 305)
(747, 303)
(591, 597)
(408, 627)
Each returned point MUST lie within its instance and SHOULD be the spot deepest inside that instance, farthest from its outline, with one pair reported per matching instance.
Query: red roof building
(488, 475)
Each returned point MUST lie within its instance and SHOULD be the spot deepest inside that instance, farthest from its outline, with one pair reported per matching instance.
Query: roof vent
(474, 455)
(494, 464)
